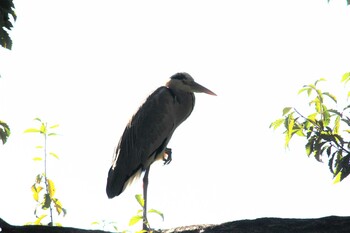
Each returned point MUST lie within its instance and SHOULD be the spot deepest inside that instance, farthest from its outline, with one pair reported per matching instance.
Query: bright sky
(88, 66)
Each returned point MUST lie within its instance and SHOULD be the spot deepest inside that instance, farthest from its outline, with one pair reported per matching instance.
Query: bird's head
(184, 82)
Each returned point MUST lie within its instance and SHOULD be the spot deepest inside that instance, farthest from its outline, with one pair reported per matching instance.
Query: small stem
(45, 173)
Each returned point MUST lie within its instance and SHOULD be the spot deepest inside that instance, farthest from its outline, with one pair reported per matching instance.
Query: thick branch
(7, 228)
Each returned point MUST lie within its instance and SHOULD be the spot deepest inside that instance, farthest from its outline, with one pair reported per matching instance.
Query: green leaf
(326, 115)
(54, 126)
(54, 155)
(38, 178)
(303, 89)
(58, 205)
(346, 77)
(4, 132)
(47, 201)
(286, 110)
(312, 117)
(289, 125)
(277, 123)
(157, 212)
(333, 97)
(317, 104)
(309, 92)
(336, 112)
(336, 125)
(52, 134)
(39, 147)
(317, 81)
(309, 146)
(37, 119)
(140, 199)
(135, 219)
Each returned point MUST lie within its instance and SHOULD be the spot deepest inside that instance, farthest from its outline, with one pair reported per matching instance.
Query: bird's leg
(167, 156)
(145, 225)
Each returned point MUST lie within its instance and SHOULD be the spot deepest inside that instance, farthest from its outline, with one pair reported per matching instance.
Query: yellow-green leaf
(58, 205)
(290, 124)
(157, 212)
(37, 159)
(54, 155)
(336, 125)
(277, 123)
(51, 187)
(300, 132)
(140, 199)
(38, 220)
(337, 178)
(32, 130)
(142, 231)
(54, 126)
(36, 190)
(303, 89)
(135, 219)
(43, 128)
(345, 78)
(333, 97)
(312, 117)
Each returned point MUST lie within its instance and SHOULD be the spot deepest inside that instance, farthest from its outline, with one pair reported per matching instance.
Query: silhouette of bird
(148, 133)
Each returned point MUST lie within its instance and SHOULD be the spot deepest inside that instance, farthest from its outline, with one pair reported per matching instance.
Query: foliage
(105, 223)
(134, 219)
(139, 216)
(4, 132)
(6, 9)
(326, 129)
(46, 201)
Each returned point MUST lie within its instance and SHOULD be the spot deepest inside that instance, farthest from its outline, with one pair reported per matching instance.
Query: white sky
(88, 66)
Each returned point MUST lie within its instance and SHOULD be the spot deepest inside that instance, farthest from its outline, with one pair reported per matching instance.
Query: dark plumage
(146, 136)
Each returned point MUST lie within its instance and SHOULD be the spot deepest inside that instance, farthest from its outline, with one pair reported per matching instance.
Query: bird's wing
(146, 135)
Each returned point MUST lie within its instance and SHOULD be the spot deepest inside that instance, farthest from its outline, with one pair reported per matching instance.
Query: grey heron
(147, 134)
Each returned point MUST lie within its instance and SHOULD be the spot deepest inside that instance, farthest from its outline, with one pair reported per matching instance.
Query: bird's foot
(167, 156)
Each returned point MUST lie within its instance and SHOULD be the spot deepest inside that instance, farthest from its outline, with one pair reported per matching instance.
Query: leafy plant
(6, 9)
(44, 188)
(4, 132)
(326, 129)
(105, 223)
(139, 216)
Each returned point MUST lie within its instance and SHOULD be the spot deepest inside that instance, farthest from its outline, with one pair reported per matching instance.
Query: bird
(148, 133)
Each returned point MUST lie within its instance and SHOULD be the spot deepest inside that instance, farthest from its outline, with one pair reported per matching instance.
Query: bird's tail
(117, 183)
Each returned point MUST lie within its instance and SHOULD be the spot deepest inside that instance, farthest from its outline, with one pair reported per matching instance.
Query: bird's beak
(196, 87)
